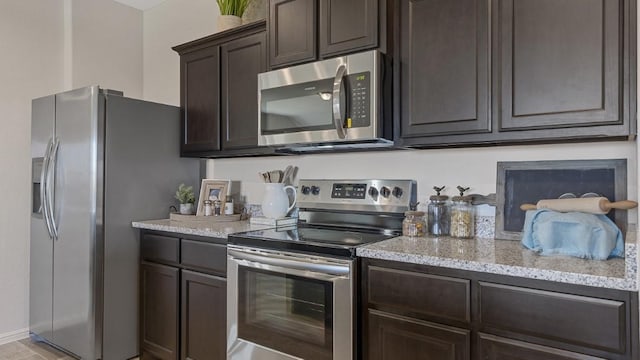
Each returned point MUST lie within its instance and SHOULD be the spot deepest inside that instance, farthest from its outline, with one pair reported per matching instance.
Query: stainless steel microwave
(333, 103)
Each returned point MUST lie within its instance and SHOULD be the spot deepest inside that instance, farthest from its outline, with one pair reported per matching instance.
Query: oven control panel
(369, 195)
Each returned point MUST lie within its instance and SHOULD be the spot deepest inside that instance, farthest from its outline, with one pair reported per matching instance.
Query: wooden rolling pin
(595, 205)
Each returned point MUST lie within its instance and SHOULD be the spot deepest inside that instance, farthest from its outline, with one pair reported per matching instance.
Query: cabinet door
(200, 89)
(496, 348)
(242, 61)
(204, 317)
(559, 64)
(159, 311)
(347, 26)
(444, 67)
(292, 32)
(391, 337)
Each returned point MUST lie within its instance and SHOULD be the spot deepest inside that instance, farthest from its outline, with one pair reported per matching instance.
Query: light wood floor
(26, 349)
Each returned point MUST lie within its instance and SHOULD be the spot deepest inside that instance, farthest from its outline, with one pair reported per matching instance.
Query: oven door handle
(326, 270)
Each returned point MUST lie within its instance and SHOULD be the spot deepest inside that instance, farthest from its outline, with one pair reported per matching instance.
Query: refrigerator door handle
(51, 172)
(44, 189)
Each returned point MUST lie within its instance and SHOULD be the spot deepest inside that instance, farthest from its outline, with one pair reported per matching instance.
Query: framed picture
(212, 190)
(527, 182)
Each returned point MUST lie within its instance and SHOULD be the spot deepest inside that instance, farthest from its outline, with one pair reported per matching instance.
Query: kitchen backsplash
(472, 167)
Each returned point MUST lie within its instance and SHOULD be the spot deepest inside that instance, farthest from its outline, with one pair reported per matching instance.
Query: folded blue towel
(587, 236)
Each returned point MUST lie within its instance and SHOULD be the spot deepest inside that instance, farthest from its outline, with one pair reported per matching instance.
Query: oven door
(288, 306)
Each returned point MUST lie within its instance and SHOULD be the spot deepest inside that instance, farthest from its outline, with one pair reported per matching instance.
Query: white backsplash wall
(472, 167)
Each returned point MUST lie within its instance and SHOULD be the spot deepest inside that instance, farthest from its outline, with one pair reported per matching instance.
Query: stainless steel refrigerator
(99, 160)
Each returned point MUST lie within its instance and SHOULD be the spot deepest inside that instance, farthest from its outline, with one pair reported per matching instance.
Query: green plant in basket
(185, 194)
(232, 7)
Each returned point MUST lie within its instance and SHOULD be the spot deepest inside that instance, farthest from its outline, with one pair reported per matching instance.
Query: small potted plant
(186, 197)
(231, 13)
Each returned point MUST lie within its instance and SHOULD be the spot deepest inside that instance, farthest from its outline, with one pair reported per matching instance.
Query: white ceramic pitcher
(275, 204)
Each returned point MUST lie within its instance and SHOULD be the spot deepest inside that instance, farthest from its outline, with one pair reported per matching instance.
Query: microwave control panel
(360, 100)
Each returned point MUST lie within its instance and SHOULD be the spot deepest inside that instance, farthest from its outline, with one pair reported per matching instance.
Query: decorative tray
(220, 218)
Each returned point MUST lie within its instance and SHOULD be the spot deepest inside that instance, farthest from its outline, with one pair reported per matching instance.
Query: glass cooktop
(308, 239)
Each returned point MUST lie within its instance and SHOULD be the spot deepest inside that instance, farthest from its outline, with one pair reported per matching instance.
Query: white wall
(169, 24)
(31, 38)
(49, 46)
(107, 46)
(474, 167)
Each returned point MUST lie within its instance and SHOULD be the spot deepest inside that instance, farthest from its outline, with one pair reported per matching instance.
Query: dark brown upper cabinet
(200, 100)
(560, 64)
(242, 60)
(292, 32)
(347, 26)
(219, 89)
(306, 30)
(445, 83)
(505, 71)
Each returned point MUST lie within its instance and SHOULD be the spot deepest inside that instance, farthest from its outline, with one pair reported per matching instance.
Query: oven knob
(385, 192)
(305, 190)
(397, 192)
(373, 192)
(315, 190)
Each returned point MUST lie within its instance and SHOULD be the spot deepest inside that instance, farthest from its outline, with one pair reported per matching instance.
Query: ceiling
(141, 4)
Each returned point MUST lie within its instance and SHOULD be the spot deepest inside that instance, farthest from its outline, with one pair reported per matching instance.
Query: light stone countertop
(504, 257)
(201, 228)
(509, 257)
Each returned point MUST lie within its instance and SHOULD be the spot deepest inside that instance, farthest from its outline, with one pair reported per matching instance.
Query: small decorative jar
(207, 208)
(228, 207)
(217, 207)
(438, 213)
(414, 224)
(462, 216)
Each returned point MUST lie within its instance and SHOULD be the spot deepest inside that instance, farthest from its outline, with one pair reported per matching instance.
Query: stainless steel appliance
(291, 292)
(338, 102)
(99, 161)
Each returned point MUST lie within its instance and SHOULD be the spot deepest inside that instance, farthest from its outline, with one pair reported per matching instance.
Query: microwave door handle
(338, 121)
(51, 171)
(44, 204)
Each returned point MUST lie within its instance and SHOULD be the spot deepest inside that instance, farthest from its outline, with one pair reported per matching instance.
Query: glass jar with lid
(438, 213)
(462, 216)
(413, 223)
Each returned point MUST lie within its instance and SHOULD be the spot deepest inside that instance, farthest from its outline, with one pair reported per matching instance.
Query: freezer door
(41, 249)
(77, 208)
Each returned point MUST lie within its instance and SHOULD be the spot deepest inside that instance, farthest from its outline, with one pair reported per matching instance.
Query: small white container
(228, 207)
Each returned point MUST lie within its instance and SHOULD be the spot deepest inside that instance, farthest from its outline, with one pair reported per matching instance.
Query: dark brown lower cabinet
(204, 326)
(396, 337)
(424, 312)
(497, 348)
(183, 301)
(159, 311)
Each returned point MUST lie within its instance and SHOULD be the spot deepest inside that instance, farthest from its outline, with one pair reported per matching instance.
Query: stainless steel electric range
(291, 292)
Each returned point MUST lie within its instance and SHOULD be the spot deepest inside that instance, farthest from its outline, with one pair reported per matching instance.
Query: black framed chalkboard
(526, 182)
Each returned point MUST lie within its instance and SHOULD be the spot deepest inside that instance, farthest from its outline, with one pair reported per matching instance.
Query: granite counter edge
(628, 283)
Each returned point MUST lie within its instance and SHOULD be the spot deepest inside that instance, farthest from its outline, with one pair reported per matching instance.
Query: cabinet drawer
(556, 317)
(204, 256)
(159, 248)
(420, 295)
(494, 347)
